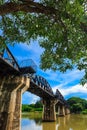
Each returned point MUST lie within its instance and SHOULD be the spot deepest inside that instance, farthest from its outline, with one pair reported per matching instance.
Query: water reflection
(69, 122)
(49, 126)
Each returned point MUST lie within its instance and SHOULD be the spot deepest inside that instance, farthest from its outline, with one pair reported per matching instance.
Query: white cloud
(29, 98)
(74, 89)
(30, 125)
(32, 47)
(32, 51)
(85, 98)
(62, 78)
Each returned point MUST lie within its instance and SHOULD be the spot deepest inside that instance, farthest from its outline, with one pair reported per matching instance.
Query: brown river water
(69, 122)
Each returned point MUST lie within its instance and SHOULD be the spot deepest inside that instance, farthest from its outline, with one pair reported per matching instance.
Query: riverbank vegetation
(32, 107)
(77, 105)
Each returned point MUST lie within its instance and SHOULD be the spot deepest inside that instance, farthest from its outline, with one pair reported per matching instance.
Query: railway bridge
(15, 79)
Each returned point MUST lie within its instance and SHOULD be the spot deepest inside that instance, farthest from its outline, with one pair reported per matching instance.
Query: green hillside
(77, 105)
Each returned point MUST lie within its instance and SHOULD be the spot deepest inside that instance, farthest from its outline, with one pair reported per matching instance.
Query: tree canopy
(77, 104)
(60, 26)
(32, 107)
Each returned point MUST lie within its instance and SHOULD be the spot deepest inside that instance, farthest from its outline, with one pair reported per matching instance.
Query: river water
(69, 122)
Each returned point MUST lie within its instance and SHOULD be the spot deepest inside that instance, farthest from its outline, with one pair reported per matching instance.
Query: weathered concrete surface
(49, 110)
(11, 89)
(67, 111)
(61, 109)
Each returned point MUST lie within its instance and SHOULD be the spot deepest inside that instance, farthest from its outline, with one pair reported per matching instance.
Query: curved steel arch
(41, 81)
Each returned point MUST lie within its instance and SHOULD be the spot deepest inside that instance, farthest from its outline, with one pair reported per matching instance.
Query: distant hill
(77, 105)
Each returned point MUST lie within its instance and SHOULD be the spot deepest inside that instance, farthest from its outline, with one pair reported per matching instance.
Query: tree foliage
(60, 25)
(38, 104)
(32, 107)
(77, 104)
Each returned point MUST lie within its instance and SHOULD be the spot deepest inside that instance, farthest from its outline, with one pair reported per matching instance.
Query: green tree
(77, 104)
(77, 108)
(38, 104)
(32, 107)
(60, 25)
(26, 108)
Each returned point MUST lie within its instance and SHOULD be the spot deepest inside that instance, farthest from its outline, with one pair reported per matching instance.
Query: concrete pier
(49, 110)
(11, 89)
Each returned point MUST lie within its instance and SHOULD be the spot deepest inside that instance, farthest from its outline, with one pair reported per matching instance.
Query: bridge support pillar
(58, 110)
(49, 110)
(61, 110)
(67, 111)
(11, 89)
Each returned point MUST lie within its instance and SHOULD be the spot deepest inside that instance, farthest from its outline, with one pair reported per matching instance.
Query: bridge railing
(8, 57)
(42, 82)
(25, 67)
(28, 66)
(58, 95)
(1, 52)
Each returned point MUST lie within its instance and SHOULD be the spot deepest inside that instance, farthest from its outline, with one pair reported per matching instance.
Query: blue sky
(67, 83)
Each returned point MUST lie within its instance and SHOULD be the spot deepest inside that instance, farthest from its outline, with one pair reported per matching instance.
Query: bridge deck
(38, 84)
(38, 88)
(40, 91)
